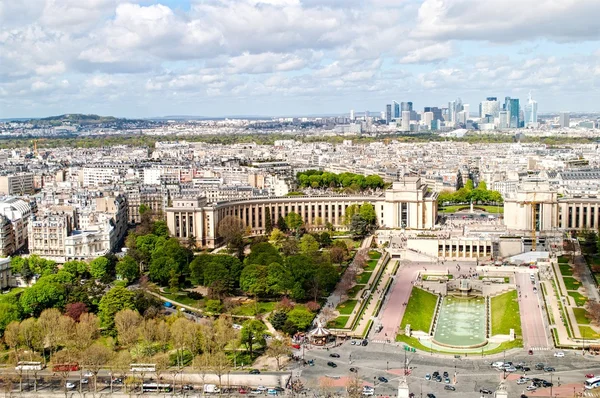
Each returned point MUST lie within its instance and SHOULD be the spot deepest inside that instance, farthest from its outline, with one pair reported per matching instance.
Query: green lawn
(255, 308)
(563, 259)
(353, 292)
(338, 323)
(571, 283)
(588, 332)
(371, 265)
(505, 313)
(363, 278)
(476, 208)
(419, 311)
(597, 276)
(347, 307)
(414, 342)
(579, 298)
(374, 255)
(565, 269)
(580, 316)
(433, 277)
(181, 298)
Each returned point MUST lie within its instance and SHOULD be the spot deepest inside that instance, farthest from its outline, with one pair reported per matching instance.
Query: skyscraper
(511, 106)
(504, 120)
(406, 106)
(396, 110)
(490, 107)
(405, 121)
(530, 113)
(564, 119)
(437, 112)
(352, 114)
(453, 108)
(388, 113)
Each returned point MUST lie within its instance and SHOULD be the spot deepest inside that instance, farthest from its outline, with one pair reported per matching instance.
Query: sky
(215, 58)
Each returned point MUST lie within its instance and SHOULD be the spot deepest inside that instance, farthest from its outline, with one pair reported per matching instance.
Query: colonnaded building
(407, 204)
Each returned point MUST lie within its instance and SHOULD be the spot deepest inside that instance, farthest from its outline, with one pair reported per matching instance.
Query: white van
(497, 365)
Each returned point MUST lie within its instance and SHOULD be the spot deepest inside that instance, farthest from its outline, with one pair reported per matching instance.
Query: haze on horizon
(289, 57)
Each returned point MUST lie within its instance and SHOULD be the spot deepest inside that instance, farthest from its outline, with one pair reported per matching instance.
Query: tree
(276, 236)
(350, 212)
(8, 313)
(115, 300)
(279, 349)
(278, 279)
(263, 253)
(294, 221)
(99, 267)
(268, 222)
(78, 268)
(282, 224)
(160, 228)
(325, 239)
(308, 245)
(30, 335)
(278, 319)
(336, 254)
(75, 310)
(459, 180)
(289, 247)
(95, 357)
(253, 332)
(48, 323)
(232, 229)
(253, 280)
(367, 213)
(127, 322)
(301, 317)
(127, 268)
(48, 292)
(469, 185)
(482, 185)
(86, 331)
(358, 226)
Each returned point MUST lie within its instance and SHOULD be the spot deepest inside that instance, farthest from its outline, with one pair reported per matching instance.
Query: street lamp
(551, 374)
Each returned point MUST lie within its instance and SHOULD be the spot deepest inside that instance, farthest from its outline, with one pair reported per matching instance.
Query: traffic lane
(532, 322)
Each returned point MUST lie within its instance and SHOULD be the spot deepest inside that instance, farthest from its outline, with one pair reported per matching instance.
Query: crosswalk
(540, 348)
(589, 393)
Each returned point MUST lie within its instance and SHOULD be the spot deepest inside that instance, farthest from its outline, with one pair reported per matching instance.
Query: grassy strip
(347, 307)
(385, 292)
(180, 299)
(419, 310)
(353, 292)
(588, 332)
(414, 342)
(563, 313)
(374, 255)
(398, 266)
(476, 208)
(433, 277)
(558, 289)
(363, 278)
(563, 259)
(255, 308)
(338, 323)
(505, 313)
(580, 299)
(565, 269)
(580, 316)
(555, 337)
(571, 283)
(368, 328)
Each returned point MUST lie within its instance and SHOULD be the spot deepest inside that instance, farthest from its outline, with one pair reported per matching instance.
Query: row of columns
(588, 219)
(468, 249)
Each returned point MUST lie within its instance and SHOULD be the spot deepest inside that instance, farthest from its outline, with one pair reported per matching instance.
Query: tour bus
(594, 382)
(142, 367)
(154, 387)
(29, 366)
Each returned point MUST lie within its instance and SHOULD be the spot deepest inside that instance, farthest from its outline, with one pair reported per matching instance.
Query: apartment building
(16, 213)
(16, 184)
(5, 274)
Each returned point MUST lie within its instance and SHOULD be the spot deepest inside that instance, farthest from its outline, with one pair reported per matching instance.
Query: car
(332, 364)
(353, 342)
(254, 372)
(525, 378)
(188, 387)
(485, 391)
(70, 385)
(427, 376)
(445, 374)
(549, 369)
(523, 396)
(530, 352)
(261, 388)
(531, 388)
(589, 376)
(353, 370)
(521, 381)
(279, 389)
(511, 369)
(272, 391)
(559, 354)
(296, 346)
(242, 391)
(255, 392)
(539, 366)
(450, 388)
(430, 395)
(382, 379)
(546, 384)
(334, 355)
(436, 373)
(535, 289)
(368, 392)
(84, 381)
(117, 381)
(88, 374)
(365, 342)
(438, 378)
(525, 368)
(447, 380)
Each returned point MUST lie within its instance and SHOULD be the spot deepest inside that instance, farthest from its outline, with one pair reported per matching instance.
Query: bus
(155, 387)
(142, 367)
(29, 366)
(594, 382)
(65, 367)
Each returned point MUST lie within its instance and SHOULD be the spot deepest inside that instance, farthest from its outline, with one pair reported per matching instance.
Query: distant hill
(77, 118)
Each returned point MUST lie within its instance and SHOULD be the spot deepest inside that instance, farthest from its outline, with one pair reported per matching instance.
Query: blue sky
(291, 57)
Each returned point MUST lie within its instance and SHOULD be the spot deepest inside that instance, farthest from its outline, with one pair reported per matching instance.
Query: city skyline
(293, 57)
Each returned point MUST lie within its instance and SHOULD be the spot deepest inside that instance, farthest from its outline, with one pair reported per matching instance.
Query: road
(534, 328)
(473, 373)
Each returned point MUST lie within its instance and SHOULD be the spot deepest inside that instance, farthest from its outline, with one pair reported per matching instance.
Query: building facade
(5, 273)
(16, 184)
(17, 213)
(407, 204)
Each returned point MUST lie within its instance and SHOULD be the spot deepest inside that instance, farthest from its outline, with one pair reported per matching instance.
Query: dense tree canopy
(324, 179)
(468, 193)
